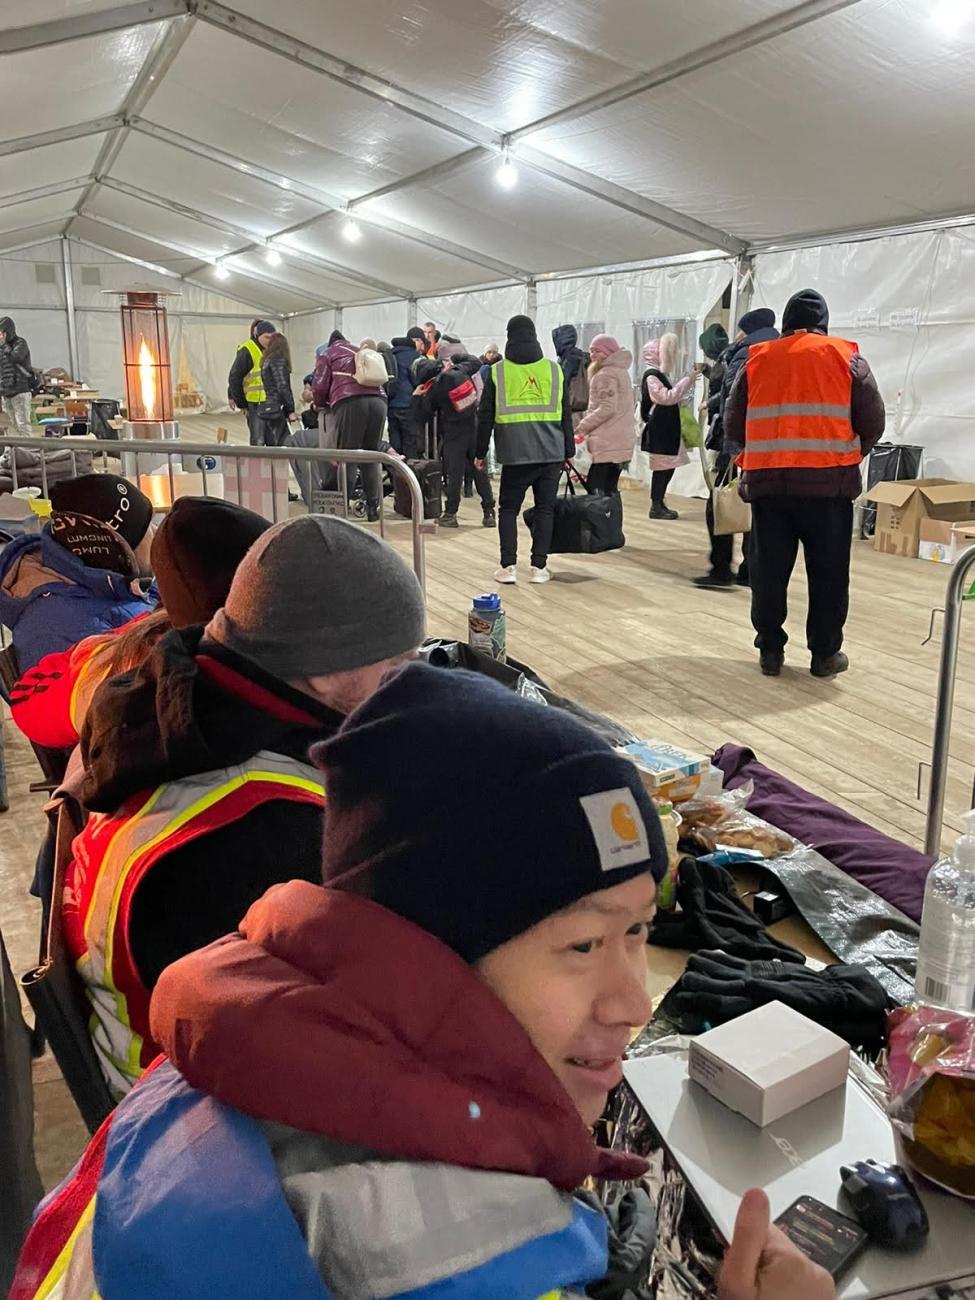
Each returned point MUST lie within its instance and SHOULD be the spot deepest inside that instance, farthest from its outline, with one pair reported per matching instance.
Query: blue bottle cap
(489, 601)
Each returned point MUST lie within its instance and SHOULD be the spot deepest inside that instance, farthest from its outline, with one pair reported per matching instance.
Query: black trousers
(824, 528)
(604, 478)
(723, 547)
(359, 427)
(458, 458)
(402, 432)
(255, 425)
(515, 482)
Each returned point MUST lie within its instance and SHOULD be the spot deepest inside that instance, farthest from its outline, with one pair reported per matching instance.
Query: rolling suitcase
(430, 474)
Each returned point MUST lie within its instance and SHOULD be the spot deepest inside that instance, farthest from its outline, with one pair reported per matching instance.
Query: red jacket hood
(328, 1013)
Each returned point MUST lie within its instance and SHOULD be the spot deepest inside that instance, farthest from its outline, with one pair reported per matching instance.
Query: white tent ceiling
(181, 132)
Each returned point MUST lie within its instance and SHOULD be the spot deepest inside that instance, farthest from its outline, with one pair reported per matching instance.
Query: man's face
(264, 339)
(739, 336)
(3, 336)
(141, 552)
(429, 330)
(419, 344)
(577, 984)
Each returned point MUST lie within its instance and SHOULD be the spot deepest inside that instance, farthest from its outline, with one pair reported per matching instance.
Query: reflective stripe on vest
(113, 854)
(253, 381)
(799, 394)
(529, 394)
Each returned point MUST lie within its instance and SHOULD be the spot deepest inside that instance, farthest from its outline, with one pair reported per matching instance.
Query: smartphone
(826, 1236)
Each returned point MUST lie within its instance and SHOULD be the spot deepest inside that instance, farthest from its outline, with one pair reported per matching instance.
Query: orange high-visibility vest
(799, 393)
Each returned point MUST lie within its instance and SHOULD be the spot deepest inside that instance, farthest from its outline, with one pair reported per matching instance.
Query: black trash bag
(889, 462)
(524, 681)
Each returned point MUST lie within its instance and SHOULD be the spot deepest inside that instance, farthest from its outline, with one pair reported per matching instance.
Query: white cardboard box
(769, 1062)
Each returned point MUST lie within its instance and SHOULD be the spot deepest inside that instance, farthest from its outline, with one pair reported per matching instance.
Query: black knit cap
(195, 554)
(521, 327)
(539, 810)
(106, 497)
(806, 310)
(414, 332)
(762, 318)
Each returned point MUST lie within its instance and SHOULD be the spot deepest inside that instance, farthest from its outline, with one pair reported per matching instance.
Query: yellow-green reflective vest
(528, 412)
(253, 383)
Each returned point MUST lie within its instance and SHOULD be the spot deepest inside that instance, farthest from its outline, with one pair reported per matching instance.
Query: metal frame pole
(69, 309)
(946, 698)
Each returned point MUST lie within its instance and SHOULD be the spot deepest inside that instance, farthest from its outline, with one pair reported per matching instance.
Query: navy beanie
(762, 318)
(538, 810)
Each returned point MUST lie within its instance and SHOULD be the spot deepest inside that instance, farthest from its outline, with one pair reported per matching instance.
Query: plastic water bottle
(485, 626)
(946, 956)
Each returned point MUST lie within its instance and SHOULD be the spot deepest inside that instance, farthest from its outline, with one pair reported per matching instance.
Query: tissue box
(768, 1063)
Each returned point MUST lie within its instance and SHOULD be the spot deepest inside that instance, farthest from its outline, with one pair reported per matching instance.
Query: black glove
(715, 988)
(632, 1229)
(713, 916)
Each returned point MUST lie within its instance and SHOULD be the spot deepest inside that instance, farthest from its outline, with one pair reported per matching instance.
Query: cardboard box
(667, 771)
(942, 541)
(768, 1062)
(901, 507)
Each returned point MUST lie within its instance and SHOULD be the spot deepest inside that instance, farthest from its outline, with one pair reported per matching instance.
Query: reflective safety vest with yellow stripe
(113, 855)
(528, 412)
(253, 381)
(799, 393)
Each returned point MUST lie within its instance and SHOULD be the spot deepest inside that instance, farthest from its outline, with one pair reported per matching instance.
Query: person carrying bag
(585, 523)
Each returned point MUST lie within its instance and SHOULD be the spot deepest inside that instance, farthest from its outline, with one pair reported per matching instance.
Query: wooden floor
(628, 634)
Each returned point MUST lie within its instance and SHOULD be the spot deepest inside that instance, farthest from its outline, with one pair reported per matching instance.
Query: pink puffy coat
(608, 426)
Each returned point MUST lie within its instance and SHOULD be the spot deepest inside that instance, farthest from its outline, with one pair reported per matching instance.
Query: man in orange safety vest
(803, 413)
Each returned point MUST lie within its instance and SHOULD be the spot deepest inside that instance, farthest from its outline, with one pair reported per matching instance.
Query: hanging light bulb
(221, 271)
(351, 230)
(952, 15)
(507, 173)
(272, 256)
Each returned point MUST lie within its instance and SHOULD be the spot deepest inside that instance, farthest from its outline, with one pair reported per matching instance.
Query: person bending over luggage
(607, 428)
(386, 1086)
(82, 574)
(196, 761)
(451, 399)
(525, 405)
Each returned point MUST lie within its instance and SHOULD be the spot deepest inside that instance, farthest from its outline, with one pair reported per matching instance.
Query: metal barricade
(106, 455)
(961, 575)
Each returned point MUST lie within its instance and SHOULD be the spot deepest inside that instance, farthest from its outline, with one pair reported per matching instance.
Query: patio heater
(148, 373)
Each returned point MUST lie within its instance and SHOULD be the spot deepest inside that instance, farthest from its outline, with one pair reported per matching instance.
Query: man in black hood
(803, 413)
(16, 376)
(575, 366)
(756, 326)
(525, 404)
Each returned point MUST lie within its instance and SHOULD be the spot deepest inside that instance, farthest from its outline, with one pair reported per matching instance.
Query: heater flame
(147, 380)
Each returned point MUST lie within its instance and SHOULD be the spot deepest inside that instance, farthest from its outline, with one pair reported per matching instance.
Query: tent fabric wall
(379, 321)
(906, 301)
(305, 334)
(477, 318)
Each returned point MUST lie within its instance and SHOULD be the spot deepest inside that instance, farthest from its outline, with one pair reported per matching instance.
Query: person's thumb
(742, 1258)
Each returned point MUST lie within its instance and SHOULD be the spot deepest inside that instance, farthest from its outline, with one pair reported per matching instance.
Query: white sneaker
(509, 574)
(541, 575)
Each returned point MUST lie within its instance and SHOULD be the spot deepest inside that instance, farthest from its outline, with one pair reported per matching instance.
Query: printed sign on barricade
(257, 483)
(324, 502)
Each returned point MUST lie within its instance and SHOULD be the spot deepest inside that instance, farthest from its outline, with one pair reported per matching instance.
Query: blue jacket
(401, 388)
(181, 1198)
(50, 600)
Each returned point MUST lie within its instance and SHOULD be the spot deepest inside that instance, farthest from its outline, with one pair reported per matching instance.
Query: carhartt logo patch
(617, 828)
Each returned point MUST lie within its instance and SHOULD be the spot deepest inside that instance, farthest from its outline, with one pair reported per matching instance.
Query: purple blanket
(892, 870)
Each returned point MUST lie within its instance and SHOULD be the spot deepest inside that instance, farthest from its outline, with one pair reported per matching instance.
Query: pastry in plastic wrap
(931, 1074)
(722, 821)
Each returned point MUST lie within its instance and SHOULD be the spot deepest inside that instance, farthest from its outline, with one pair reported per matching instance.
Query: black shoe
(490, 519)
(449, 521)
(829, 665)
(714, 581)
(771, 662)
(372, 515)
(742, 578)
(661, 512)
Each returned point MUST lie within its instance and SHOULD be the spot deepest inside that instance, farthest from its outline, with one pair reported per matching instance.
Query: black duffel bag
(586, 523)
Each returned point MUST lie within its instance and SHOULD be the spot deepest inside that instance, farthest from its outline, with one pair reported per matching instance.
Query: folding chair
(57, 996)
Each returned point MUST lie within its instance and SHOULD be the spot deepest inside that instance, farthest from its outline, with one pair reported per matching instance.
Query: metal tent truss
(175, 19)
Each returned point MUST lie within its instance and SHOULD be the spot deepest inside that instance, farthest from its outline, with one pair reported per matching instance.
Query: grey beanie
(319, 595)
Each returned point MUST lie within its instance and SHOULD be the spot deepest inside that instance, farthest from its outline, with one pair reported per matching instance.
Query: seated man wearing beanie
(196, 762)
(81, 575)
(385, 1087)
(194, 556)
